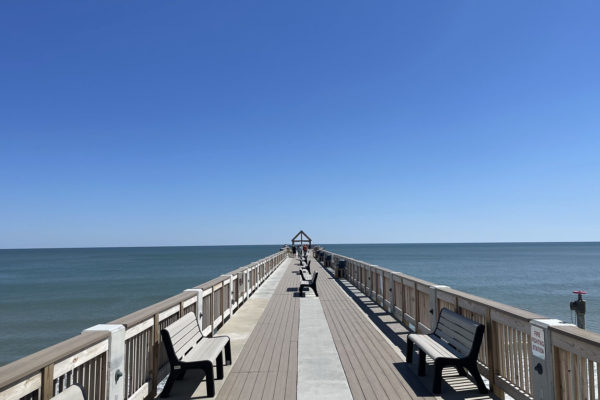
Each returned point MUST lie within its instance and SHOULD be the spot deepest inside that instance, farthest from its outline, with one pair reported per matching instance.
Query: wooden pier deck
(368, 342)
(340, 345)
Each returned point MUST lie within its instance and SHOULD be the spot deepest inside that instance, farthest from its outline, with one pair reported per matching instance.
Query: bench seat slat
(206, 349)
(434, 348)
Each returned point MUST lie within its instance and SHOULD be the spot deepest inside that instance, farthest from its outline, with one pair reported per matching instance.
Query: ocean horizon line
(280, 244)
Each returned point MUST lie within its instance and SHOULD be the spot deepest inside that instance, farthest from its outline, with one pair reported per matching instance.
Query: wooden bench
(187, 348)
(312, 283)
(454, 343)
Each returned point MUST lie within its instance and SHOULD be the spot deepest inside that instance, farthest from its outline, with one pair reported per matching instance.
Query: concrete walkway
(239, 328)
(320, 372)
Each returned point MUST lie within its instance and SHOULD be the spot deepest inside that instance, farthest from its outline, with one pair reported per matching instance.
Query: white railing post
(433, 304)
(247, 282)
(231, 293)
(199, 310)
(116, 359)
(382, 304)
(541, 354)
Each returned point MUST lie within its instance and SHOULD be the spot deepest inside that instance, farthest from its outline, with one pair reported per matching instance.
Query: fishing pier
(349, 342)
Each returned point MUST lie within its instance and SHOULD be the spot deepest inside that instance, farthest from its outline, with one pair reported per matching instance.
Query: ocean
(49, 295)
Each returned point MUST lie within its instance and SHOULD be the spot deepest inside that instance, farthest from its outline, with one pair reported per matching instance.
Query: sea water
(538, 277)
(49, 295)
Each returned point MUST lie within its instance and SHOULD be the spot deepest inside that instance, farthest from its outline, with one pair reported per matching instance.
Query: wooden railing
(134, 375)
(506, 357)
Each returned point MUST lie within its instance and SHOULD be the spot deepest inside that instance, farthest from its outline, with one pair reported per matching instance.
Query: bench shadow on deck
(370, 342)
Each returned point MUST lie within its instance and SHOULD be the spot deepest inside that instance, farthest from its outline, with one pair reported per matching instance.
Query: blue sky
(214, 122)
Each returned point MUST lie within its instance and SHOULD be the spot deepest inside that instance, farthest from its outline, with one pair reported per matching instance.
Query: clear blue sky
(214, 122)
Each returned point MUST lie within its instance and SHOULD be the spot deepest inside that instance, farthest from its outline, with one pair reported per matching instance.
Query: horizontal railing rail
(560, 362)
(125, 359)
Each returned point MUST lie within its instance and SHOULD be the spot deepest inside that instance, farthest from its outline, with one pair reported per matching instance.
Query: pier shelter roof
(301, 238)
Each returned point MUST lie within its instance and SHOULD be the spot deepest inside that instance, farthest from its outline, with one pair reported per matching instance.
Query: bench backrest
(73, 392)
(181, 336)
(314, 279)
(459, 332)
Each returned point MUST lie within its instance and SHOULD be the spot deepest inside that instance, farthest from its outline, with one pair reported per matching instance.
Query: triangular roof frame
(301, 240)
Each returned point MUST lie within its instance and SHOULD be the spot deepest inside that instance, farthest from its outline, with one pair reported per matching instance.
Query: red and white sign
(538, 347)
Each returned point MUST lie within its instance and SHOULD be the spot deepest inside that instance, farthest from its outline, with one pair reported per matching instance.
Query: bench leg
(461, 370)
(422, 363)
(207, 367)
(437, 379)
(475, 373)
(220, 366)
(228, 353)
(409, 351)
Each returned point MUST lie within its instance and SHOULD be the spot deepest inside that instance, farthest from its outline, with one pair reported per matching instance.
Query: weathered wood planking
(267, 367)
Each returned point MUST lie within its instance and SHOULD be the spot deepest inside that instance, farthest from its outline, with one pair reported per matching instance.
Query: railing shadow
(453, 385)
(367, 305)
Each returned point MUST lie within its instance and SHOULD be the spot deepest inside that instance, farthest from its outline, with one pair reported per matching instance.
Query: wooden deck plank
(292, 373)
(360, 361)
(237, 386)
(259, 386)
(259, 372)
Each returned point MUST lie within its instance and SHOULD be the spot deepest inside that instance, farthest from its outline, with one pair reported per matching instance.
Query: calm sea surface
(49, 295)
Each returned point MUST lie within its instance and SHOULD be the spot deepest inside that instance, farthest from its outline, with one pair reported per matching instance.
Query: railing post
(433, 304)
(492, 354)
(542, 358)
(392, 292)
(231, 294)
(115, 359)
(247, 282)
(382, 304)
(47, 382)
(199, 309)
(155, 353)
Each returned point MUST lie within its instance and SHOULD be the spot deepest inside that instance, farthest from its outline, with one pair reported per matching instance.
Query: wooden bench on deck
(311, 283)
(454, 343)
(187, 349)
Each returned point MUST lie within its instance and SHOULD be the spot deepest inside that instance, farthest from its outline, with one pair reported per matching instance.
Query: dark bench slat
(454, 338)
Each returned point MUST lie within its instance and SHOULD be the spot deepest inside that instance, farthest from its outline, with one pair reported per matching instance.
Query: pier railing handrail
(125, 359)
(564, 365)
